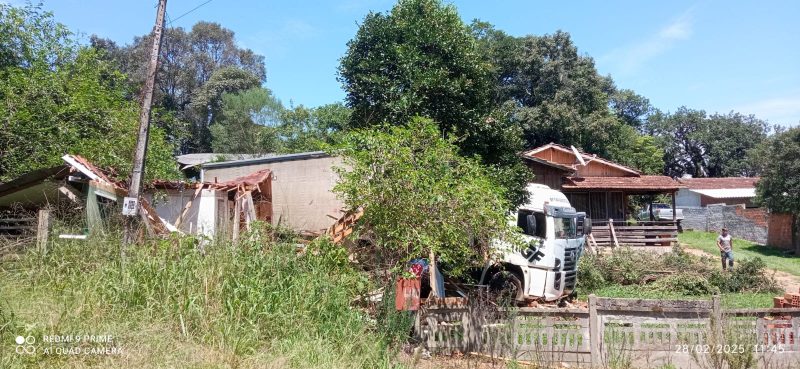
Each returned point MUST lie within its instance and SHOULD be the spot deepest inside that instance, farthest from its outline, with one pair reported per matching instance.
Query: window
(538, 220)
(564, 227)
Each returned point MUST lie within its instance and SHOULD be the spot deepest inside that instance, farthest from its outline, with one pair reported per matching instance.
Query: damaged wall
(206, 216)
(302, 188)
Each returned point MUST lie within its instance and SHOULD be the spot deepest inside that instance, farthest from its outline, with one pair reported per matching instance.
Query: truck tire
(506, 288)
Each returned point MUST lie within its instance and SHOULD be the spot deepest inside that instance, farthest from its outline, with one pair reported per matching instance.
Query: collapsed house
(207, 209)
(213, 210)
(77, 183)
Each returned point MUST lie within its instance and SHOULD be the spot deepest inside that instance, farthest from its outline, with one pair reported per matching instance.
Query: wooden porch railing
(607, 232)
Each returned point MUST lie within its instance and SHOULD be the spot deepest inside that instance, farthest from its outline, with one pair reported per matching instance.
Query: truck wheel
(506, 288)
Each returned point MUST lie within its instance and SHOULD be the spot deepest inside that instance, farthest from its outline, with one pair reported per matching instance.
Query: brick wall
(780, 230)
(749, 224)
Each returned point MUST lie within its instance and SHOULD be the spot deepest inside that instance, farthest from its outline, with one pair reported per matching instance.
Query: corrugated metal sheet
(727, 193)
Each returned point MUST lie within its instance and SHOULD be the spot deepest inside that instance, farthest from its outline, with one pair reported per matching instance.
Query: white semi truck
(555, 236)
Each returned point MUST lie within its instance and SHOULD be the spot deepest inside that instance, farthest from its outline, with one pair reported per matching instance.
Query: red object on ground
(407, 294)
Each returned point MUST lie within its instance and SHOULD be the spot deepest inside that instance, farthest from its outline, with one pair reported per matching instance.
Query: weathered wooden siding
(592, 168)
(546, 175)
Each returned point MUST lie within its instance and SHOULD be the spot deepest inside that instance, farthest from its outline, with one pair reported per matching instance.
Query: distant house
(701, 192)
(601, 187)
(302, 186)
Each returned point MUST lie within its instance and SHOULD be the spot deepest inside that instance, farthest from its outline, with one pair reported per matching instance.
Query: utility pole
(130, 206)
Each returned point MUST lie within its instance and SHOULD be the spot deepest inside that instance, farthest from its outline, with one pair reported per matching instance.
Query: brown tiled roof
(718, 183)
(643, 183)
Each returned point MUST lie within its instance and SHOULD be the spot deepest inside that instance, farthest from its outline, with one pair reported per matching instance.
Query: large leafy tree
(420, 59)
(779, 187)
(420, 196)
(633, 109)
(558, 94)
(707, 146)
(59, 97)
(555, 94)
(637, 151)
(190, 60)
(250, 123)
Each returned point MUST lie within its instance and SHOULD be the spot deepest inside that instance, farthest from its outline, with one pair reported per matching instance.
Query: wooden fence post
(43, 230)
(594, 332)
(613, 233)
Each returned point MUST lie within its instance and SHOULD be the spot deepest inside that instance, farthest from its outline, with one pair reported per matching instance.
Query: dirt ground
(787, 282)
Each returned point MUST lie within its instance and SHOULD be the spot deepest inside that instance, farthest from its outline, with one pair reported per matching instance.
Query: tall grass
(256, 301)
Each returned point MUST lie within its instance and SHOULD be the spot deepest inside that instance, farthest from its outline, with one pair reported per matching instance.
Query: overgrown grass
(168, 305)
(774, 258)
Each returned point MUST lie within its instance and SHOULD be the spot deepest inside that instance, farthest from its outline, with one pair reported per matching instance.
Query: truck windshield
(564, 227)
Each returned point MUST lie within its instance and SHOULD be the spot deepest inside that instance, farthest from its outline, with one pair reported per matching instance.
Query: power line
(193, 9)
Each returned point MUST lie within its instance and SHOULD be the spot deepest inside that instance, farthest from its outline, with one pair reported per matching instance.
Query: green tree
(707, 146)
(558, 94)
(189, 61)
(206, 104)
(250, 123)
(312, 129)
(61, 98)
(637, 151)
(420, 196)
(420, 59)
(632, 108)
(779, 186)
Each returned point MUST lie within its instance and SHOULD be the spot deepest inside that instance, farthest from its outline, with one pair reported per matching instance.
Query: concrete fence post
(594, 332)
(716, 317)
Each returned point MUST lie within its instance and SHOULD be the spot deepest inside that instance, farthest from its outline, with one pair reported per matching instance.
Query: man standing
(725, 244)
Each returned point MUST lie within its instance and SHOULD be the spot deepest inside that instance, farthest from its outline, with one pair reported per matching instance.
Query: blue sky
(714, 55)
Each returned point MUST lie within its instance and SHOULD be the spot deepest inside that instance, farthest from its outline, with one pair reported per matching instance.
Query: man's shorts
(726, 254)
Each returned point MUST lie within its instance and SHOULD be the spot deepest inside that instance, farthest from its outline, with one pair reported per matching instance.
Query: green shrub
(685, 283)
(676, 272)
(748, 275)
(590, 276)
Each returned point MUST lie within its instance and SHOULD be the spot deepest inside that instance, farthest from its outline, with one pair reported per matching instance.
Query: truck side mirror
(587, 226)
(530, 225)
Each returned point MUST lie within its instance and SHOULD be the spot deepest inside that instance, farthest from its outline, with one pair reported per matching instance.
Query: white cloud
(629, 59)
(783, 110)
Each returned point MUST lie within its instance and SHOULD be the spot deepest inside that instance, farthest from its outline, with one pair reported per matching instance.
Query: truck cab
(554, 236)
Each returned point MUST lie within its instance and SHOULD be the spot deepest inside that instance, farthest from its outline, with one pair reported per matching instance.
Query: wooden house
(599, 187)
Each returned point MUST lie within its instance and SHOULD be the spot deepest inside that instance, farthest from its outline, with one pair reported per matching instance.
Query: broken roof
(268, 159)
(249, 182)
(191, 160)
(642, 183)
(719, 183)
(587, 157)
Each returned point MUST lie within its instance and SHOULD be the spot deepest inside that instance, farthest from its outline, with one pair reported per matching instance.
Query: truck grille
(569, 280)
(570, 259)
